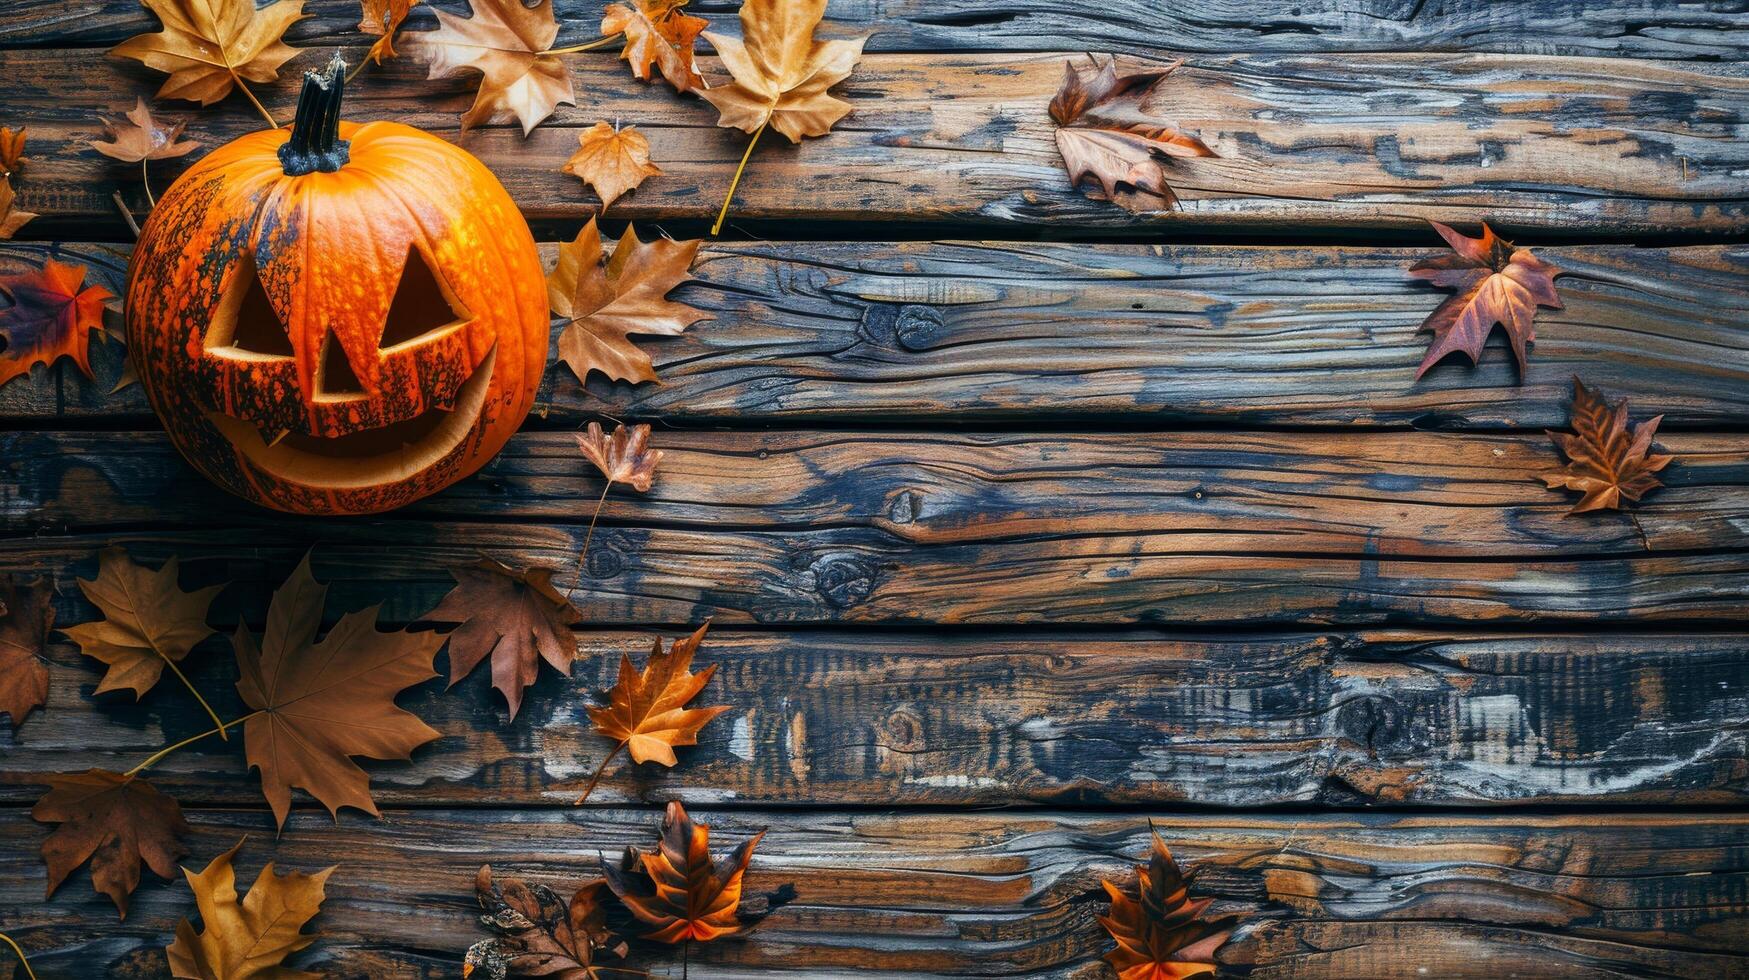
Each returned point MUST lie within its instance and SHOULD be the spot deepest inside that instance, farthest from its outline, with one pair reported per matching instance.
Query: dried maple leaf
(517, 618)
(1104, 132)
(657, 35)
(624, 457)
(149, 622)
(207, 46)
(11, 149)
(318, 704)
(781, 73)
(612, 161)
(250, 938)
(646, 710)
(539, 934)
(113, 820)
(141, 138)
(51, 317)
(382, 18)
(678, 889)
(11, 218)
(26, 616)
(509, 45)
(606, 300)
(1157, 926)
(1607, 459)
(1495, 283)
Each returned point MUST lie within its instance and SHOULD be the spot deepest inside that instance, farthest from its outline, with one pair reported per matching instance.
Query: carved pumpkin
(339, 319)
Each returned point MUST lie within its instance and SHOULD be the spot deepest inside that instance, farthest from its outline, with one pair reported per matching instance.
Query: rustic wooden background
(1013, 544)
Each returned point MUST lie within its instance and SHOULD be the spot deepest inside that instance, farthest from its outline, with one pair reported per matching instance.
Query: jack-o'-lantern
(339, 319)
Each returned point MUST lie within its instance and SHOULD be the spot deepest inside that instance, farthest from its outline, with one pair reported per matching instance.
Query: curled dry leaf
(657, 35)
(11, 149)
(1494, 283)
(507, 44)
(612, 161)
(381, 19)
(781, 73)
(12, 217)
(515, 617)
(319, 703)
(1105, 132)
(1607, 459)
(540, 935)
(52, 315)
(606, 300)
(26, 616)
(249, 938)
(149, 622)
(207, 46)
(625, 457)
(115, 821)
(646, 710)
(1158, 928)
(142, 137)
(679, 891)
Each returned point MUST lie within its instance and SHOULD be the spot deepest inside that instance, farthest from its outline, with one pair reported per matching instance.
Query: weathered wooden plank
(991, 894)
(1710, 30)
(1584, 146)
(843, 718)
(1231, 335)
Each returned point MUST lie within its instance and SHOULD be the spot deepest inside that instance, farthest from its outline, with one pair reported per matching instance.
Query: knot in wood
(843, 580)
(919, 328)
(606, 556)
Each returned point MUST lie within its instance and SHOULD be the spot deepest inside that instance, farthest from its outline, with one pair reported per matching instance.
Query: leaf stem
(600, 42)
(356, 69)
(257, 102)
(583, 555)
(724, 213)
(28, 972)
(128, 216)
(152, 759)
(598, 771)
(151, 202)
(210, 713)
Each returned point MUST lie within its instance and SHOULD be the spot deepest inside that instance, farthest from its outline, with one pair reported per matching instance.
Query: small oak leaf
(781, 73)
(646, 710)
(249, 938)
(678, 889)
(657, 35)
(382, 18)
(624, 457)
(1494, 283)
(1104, 132)
(142, 137)
(1158, 928)
(148, 621)
(52, 315)
(208, 46)
(26, 616)
(1607, 459)
(606, 300)
(612, 161)
(515, 617)
(11, 149)
(506, 43)
(113, 821)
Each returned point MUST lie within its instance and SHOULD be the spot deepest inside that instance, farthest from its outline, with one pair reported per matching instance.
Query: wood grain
(1583, 146)
(844, 718)
(970, 894)
(994, 332)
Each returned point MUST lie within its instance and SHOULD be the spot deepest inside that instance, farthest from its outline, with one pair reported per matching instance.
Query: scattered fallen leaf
(141, 137)
(540, 935)
(677, 889)
(657, 35)
(646, 710)
(1607, 459)
(1157, 926)
(318, 704)
(251, 938)
(51, 316)
(148, 621)
(780, 72)
(12, 218)
(382, 18)
(625, 457)
(25, 620)
(516, 617)
(612, 161)
(113, 821)
(508, 44)
(11, 149)
(1494, 283)
(607, 300)
(1103, 132)
(207, 46)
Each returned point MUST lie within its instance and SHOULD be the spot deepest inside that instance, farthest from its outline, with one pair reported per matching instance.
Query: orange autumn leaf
(114, 821)
(1158, 928)
(657, 35)
(781, 73)
(646, 710)
(507, 44)
(207, 46)
(52, 315)
(26, 616)
(515, 617)
(1608, 460)
(606, 300)
(142, 137)
(12, 217)
(11, 149)
(1494, 283)
(624, 457)
(678, 889)
(612, 161)
(381, 19)
(1104, 132)
(319, 703)
(149, 622)
(247, 939)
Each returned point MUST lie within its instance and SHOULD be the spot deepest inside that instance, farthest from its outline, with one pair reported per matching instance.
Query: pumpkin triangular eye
(245, 320)
(423, 304)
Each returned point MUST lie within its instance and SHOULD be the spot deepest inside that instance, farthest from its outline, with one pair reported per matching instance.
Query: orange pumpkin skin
(343, 414)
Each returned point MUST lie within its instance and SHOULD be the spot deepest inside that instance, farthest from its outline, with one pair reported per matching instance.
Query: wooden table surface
(1021, 518)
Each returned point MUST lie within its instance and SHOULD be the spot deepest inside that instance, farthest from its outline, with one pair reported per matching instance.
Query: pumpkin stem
(315, 143)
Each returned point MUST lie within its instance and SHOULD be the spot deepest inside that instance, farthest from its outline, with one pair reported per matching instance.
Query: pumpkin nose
(335, 378)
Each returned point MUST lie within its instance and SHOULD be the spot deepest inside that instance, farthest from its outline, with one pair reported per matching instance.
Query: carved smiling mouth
(371, 458)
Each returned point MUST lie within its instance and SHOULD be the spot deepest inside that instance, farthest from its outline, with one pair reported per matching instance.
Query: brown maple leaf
(1607, 460)
(677, 889)
(26, 616)
(606, 300)
(625, 457)
(249, 938)
(149, 622)
(318, 704)
(382, 18)
(1158, 928)
(646, 710)
(510, 46)
(1494, 283)
(52, 315)
(113, 820)
(12, 218)
(207, 46)
(781, 73)
(612, 161)
(516, 617)
(539, 935)
(141, 138)
(657, 35)
(1105, 132)
(11, 149)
